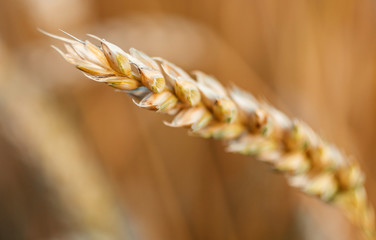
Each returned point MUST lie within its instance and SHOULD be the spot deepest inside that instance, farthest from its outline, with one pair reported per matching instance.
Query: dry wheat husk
(251, 127)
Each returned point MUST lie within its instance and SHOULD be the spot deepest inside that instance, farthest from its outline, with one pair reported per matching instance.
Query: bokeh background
(80, 161)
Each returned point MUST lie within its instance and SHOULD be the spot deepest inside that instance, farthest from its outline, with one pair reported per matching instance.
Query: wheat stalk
(249, 126)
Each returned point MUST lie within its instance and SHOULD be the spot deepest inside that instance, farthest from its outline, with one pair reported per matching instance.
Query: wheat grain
(251, 127)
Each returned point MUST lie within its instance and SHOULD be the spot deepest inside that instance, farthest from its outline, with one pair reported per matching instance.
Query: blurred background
(80, 161)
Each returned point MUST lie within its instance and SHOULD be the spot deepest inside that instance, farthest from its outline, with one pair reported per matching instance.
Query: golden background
(80, 161)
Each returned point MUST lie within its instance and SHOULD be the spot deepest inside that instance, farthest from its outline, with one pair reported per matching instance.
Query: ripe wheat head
(251, 127)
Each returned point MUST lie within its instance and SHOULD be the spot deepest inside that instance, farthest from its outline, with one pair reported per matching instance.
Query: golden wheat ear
(249, 126)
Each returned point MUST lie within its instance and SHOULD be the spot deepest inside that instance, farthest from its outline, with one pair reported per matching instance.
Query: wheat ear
(249, 126)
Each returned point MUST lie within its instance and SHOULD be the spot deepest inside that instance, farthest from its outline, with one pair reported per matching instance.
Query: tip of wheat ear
(209, 110)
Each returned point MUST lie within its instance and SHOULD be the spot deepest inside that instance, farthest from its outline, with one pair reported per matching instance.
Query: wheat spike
(249, 126)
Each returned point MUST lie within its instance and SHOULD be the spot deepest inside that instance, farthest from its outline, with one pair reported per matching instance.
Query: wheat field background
(80, 161)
